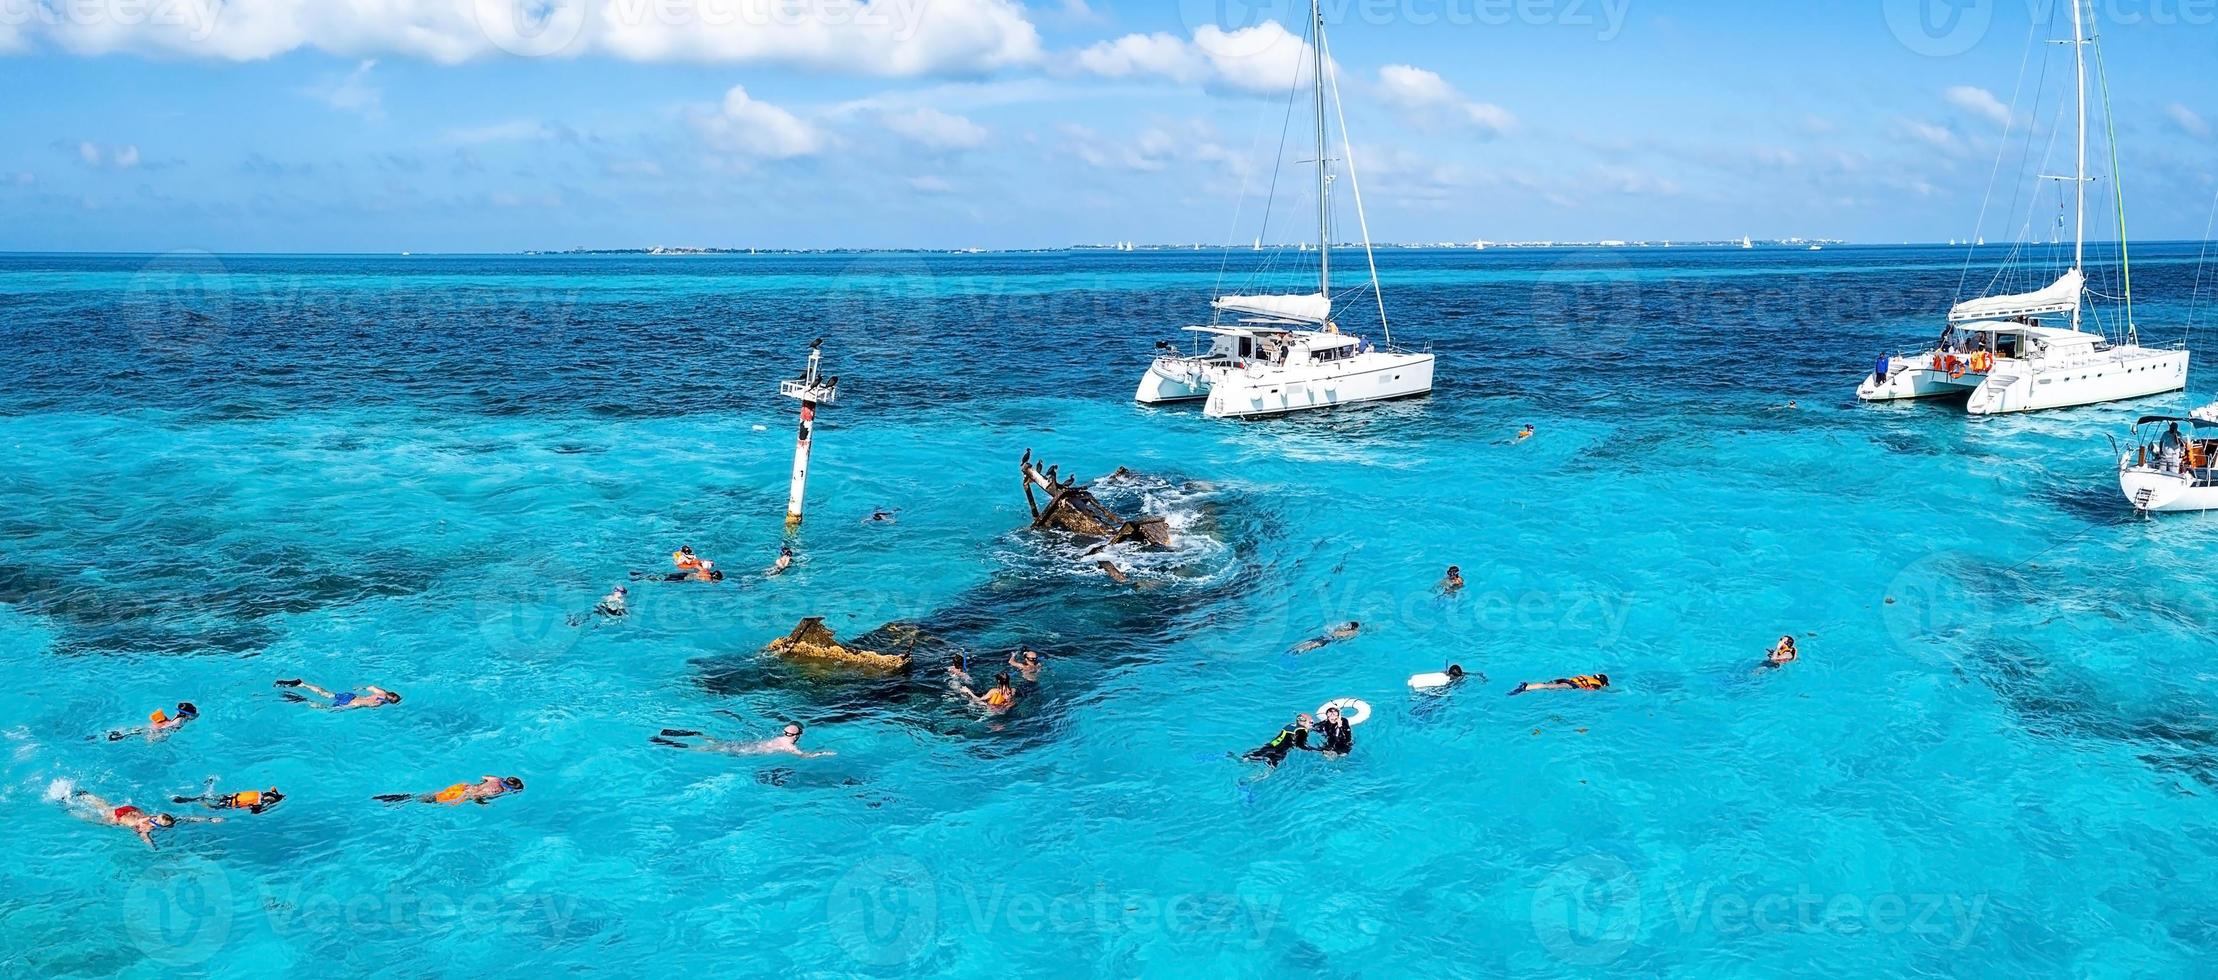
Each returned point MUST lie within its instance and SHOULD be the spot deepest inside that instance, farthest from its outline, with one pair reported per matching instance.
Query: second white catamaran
(2000, 351)
(1285, 352)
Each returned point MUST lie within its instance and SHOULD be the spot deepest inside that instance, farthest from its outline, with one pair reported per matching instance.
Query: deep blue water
(409, 471)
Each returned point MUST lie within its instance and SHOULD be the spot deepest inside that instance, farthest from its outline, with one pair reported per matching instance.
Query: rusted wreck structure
(1074, 509)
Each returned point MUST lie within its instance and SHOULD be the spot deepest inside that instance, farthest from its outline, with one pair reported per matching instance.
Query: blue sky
(453, 125)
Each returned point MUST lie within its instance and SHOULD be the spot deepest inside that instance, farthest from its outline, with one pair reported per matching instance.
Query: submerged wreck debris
(812, 640)
(1076, 510)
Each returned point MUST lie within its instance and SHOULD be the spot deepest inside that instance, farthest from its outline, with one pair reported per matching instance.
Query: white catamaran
(1285, 352)
(1999, 350)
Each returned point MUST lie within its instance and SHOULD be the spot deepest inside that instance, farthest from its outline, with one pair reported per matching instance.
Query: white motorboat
(1997, 351)
(1286, 352)
(2170, 469)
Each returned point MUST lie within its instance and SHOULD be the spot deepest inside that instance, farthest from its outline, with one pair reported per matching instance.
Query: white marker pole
(810, 390)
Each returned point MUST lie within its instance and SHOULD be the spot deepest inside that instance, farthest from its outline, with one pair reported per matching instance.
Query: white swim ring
(1355, 710)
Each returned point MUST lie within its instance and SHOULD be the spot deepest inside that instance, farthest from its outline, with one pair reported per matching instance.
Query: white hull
(2015, 385)
(1237, 390)
(2151, 489)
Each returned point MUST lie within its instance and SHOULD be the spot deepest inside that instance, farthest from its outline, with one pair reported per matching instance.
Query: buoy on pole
(812, 390)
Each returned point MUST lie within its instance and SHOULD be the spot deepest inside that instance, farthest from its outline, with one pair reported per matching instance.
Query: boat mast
(1324, 170)
(2079, 232)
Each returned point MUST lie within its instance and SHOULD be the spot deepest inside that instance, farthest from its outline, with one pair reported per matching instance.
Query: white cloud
(1427, 95)
(125, 157)
(352, 92)
(632, 168)
(748, 128)
(1626, 180)
(1264, 59)
(89, 152)
(1153, 149)
(882, 37)
(1938, 137)
(1979, 102)
(933, 129)
(930, 185)
(511, 131)
(2187, 121)
(94, 155)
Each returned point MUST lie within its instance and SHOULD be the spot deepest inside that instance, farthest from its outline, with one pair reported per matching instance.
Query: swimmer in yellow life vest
(1781, 654)
(159, 723)
(1525, 433)
(1000, 698)
(252, 800)
(1583, 682)
(485, 790)
(685, 559)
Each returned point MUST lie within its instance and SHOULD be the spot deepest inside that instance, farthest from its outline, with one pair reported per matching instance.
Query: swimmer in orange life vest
(1583, 682)
(160, 723)
(371, 696)
(251, 800)
(788, 742)
(1781, 655)
(685, 559)
(86, 806)
(1000, 698)
(485, 790)
(1526, 432)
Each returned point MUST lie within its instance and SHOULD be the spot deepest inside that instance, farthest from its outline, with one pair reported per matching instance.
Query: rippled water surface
(1997, 755)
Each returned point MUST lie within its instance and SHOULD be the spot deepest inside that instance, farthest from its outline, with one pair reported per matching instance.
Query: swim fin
(658, 740)
(292, 682)
(394, 797)
(679, 733)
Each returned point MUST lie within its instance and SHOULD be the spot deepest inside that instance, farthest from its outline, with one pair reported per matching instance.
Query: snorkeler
(1000, 698)
(1526, 432)
(371, 696)
(1027, 662)
(1333, 635)
(687, 561)
(880, 515)
(958, 672)
(1338, 733)
(251, 800)
(785, 561)
(485, 790)
(1451, 583)
(159, 724)
(1781, 654)
(86, 806)
(1583, 682)
(787, 743)
(1295, 736)
(1441, 680)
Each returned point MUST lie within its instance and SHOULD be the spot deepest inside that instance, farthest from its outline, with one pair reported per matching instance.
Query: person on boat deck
(1001, 698)
(788, 742)
(1583, 682)
(86, 806)
(485, 790)
(160, 724)
(1295, 736)
(1451, 583)
(2173, 440)
(1782, 653)
(372, 696)
(1027, 662)
(1338, 733)
(1333, 635)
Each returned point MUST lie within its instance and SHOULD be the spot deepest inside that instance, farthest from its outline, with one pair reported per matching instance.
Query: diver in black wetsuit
(1292, 737)
(1338, 733)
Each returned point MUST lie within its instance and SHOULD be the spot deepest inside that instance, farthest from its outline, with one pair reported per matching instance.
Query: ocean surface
(1997, 756)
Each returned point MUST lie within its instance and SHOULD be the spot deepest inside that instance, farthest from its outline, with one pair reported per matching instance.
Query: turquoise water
(410, 472)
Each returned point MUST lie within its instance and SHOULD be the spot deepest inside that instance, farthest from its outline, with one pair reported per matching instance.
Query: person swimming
(1526, 432)
(785, 561)
(958, 672)
(1583, 682)
(1781, 654)
(880, 515)
(1338, 733)
(86, 806)
(485, 790)
(371, 696)
(1333, 635)
(1000, 698)
(611, 606)
(788, 742)
(1027, 662)
(688, 562)
(159, 724)
(1452, 582)
(251, 800)
(1292, 738)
